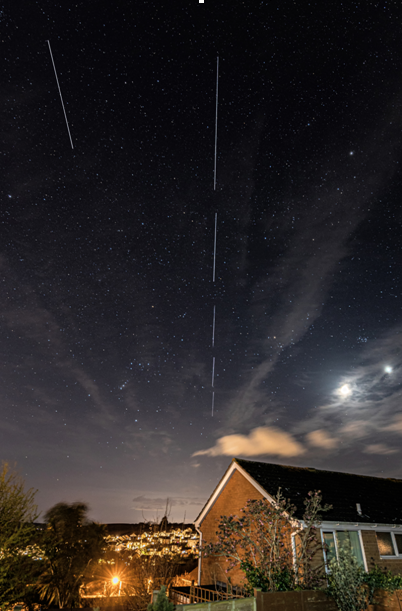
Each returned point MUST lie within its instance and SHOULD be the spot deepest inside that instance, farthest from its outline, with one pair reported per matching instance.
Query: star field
(107, 249)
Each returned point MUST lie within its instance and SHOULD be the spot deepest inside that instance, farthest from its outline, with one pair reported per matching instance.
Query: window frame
(394, 543)
(334, 530)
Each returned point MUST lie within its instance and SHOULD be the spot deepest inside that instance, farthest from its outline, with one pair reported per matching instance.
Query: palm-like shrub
(71, 544)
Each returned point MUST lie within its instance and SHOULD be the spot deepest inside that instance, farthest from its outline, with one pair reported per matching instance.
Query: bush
(381, 579)
(256, 578)
(162, 602)
(346, 582)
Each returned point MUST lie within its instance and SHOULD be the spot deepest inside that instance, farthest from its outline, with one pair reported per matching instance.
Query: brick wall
(231, 500)
(372, 554)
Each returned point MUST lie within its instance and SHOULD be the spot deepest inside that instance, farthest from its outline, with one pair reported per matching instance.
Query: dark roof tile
(380, 498)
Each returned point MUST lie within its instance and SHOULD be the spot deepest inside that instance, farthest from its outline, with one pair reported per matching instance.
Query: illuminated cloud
(379, 448)
(356, 429)
(264, 440)
(321, 439)
(396, 426)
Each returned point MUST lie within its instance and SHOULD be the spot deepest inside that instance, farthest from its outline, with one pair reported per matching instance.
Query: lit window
(389, 543)
(385, 545)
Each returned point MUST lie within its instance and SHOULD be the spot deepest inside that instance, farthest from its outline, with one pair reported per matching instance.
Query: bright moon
(388, 369)
(345, 390)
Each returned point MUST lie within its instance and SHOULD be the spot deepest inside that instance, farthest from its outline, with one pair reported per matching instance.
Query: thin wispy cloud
(313, 237)
(143, 503)
(379, 448)
(369, 416)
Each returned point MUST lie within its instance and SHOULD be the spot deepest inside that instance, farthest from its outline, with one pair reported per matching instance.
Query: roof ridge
(312, 469)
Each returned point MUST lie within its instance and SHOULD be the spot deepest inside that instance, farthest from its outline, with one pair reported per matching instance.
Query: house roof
(380, 499)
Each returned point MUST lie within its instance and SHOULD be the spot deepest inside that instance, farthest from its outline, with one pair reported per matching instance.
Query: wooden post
(257, 599)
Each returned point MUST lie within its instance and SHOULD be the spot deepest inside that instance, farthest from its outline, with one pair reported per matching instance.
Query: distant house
(166, 538)
(365, 510)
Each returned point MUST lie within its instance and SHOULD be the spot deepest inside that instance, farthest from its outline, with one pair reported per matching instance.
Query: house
(366, 510)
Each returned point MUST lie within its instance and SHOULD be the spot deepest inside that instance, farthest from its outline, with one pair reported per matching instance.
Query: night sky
(107, 248)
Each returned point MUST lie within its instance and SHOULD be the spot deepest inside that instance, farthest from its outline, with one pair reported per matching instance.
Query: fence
(234, 604)
(204, 594)
(310, 600)
(306, 600)
(209, 599)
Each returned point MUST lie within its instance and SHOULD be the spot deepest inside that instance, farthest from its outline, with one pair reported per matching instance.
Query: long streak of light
(213, 328)
(61, 97)
(216, 119)
(216, 223)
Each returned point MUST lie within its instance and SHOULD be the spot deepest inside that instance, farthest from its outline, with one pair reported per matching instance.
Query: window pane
(398, 539)
(384, 543)
(343, 539)
(350, 539)
(329, 540)
(356, 547)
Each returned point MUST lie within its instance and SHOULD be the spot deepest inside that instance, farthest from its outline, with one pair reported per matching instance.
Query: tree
(17, 532)
(71, 544)
(308, 543)
(260, 542)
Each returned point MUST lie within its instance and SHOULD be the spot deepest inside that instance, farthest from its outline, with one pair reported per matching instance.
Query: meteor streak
(213, 328)
(216, 223)
(213, 271)
(61, 97)
(216, 119)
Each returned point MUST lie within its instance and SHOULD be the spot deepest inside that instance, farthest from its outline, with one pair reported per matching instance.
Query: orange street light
(116, 580)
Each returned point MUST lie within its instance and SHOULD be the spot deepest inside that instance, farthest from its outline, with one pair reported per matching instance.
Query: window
(389, 543)
(385, 545)
(398, 541)
(336, 539)
(329, 540)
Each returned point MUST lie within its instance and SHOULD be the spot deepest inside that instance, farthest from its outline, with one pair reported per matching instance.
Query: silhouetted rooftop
(380, 499)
